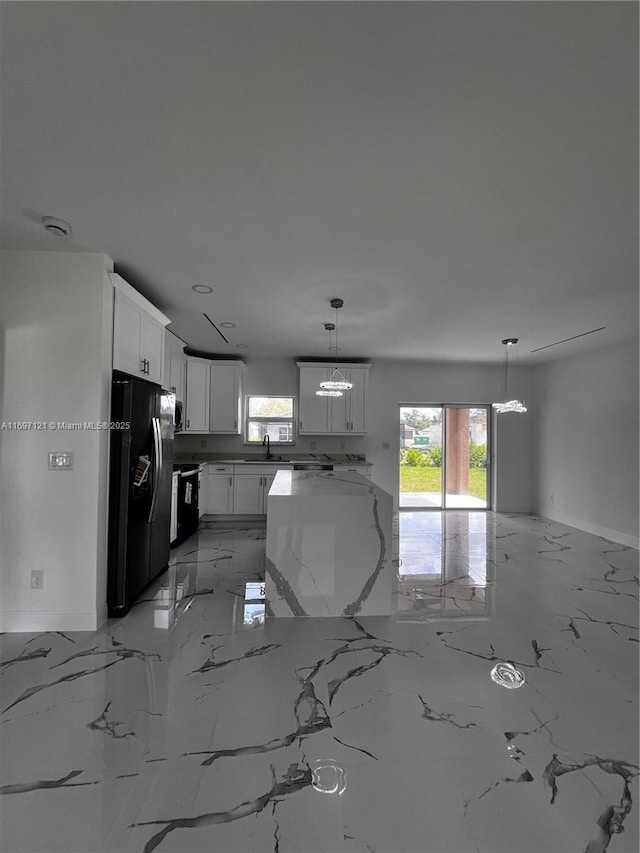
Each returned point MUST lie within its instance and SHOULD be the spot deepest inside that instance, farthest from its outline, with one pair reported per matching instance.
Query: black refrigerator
(141, 465)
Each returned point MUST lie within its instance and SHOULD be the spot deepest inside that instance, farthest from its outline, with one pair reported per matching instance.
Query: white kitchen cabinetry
(225, 397)
(313, 411)
(213, 396)
(251, 484)
(248, 493)
(219, 489)
(138, 333)
(240, 489)
(346, 415)
(196, 402)
(174, 365)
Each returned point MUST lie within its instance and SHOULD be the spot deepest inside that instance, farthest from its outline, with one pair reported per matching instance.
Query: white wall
(586, 441)
(392, 383)
(56, 331)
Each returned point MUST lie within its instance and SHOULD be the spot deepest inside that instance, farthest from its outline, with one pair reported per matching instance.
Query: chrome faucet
(268, 443)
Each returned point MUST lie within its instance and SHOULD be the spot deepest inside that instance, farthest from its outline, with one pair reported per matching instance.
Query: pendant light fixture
(513, 402)
(328, 392)
(336, 382)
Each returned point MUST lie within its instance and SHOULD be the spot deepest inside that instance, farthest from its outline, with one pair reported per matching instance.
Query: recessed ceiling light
(56, 226)
(202, 288)
(242, 346)
(228, 325)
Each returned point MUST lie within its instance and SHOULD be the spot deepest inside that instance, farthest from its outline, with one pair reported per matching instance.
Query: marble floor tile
(195, 724)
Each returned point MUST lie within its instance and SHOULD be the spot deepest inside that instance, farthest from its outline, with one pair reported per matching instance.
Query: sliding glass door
(444, 458)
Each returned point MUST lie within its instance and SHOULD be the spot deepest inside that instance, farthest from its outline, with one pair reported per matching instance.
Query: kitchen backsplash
(303, 444)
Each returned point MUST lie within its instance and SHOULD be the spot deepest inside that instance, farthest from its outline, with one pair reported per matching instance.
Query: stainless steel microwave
(177, 419)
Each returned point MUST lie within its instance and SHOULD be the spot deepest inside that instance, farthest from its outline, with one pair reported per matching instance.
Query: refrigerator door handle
(157, 459)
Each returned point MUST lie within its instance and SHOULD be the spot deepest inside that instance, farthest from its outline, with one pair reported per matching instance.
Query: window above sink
(269, 416)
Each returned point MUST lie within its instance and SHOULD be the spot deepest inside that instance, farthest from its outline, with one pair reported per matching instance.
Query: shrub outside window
(272, 416)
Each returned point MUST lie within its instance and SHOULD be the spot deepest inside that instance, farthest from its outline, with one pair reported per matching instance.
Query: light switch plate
(60, 461)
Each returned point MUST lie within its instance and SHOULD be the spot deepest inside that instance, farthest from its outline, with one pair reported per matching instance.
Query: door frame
(489, 469)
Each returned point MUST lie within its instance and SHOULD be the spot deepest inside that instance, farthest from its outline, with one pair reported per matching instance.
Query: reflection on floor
(446, 566)
(417, 500)
(191, 724)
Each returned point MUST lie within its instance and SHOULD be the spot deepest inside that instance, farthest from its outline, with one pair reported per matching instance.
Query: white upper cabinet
(152, 348)
(213, 396)
(356, 420)
(174, 365)
(127, 321)
(346, 415)
(178, 379)
(225, 397)
(138, 333)
(313, 411)
(196, 403)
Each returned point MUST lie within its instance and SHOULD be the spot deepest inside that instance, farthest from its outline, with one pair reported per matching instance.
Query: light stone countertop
(321, 484)
(252, 459)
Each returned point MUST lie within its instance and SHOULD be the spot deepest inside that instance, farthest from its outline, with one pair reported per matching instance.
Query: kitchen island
(328, 546)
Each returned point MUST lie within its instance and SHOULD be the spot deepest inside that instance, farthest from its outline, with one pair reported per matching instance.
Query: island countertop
(320, 483)
(328, 550)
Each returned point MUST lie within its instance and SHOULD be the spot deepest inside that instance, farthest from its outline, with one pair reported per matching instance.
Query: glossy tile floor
(191, 725)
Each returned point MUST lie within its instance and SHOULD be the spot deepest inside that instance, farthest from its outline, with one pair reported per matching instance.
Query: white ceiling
(456, 172)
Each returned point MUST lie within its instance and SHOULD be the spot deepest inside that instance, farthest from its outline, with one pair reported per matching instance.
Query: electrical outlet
(552, 499)
(37, 579)
(385, 445)
(60, 461)
(313, 445)
(343, 445)
(203, 442)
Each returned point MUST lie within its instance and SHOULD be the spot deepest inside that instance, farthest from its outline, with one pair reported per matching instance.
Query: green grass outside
(418, 479)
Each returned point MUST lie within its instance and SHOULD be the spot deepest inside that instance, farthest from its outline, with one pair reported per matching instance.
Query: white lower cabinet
(268, 482)
(251, 484)
(243, 489)
(238, 489)
(247, 493)
(219, 489)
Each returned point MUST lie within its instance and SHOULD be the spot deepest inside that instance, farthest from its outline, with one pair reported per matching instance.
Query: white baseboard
(33, 622)
(596, 529)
